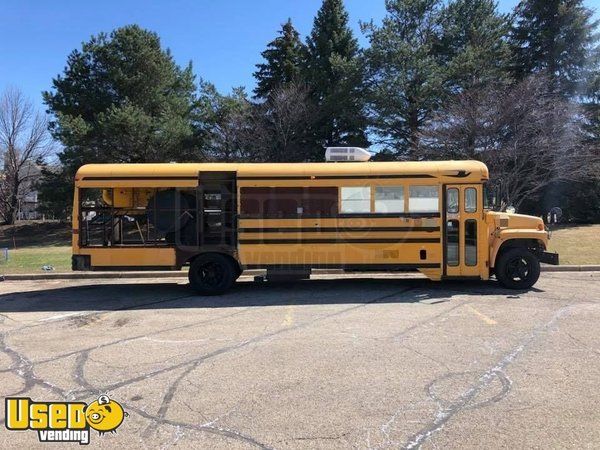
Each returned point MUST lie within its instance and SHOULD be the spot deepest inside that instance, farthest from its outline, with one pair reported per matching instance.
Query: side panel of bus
(360, 223)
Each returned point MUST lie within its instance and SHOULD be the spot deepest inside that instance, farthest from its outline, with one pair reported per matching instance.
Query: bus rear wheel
(212, 274)
(518, 268)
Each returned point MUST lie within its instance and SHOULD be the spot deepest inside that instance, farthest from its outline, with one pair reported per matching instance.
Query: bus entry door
(462, 212)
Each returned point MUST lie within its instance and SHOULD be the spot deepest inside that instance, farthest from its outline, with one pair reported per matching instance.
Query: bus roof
(464, 171)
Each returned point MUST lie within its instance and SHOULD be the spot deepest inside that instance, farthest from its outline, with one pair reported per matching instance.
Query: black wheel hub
(211, 274)
(518, 269)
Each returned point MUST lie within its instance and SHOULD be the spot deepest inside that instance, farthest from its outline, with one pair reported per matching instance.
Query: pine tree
(122, 98)
(555, 37)
(334, 76)
(474, 44)
(283, 62)
(405, 72)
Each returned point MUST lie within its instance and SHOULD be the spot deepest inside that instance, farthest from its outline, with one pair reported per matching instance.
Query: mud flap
(549, 258)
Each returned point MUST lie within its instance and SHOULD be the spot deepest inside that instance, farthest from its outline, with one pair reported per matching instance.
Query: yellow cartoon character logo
(105, 415)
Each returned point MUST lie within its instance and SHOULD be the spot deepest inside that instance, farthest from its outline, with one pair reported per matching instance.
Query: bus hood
(504, 220)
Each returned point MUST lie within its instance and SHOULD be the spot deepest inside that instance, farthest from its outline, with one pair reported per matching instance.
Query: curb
(589, 268)
(183, 274)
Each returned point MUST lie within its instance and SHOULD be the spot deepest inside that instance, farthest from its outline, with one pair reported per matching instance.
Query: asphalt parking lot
(377, 361)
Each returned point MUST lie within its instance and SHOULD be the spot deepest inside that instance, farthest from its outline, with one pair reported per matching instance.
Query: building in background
(27, 208)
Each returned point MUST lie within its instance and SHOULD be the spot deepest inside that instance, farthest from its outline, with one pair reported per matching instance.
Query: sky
(222, 38)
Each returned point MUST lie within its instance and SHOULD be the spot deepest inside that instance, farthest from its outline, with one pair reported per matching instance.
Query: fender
(503, 236)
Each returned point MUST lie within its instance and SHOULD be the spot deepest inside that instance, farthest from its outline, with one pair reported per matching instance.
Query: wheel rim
(211, 274)
(518, 269)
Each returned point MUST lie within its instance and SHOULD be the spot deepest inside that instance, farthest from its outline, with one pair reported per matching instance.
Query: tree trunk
(13, 204)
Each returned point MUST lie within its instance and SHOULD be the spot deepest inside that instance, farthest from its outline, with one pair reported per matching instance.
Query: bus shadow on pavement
(122, 297)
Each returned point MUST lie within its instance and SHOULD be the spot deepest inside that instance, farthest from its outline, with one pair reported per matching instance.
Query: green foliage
(405, 72)
(334, 76)
(122, 98)
(283, 62)
(474, 45)
(55, 193)
(220, 122)
(556, 37)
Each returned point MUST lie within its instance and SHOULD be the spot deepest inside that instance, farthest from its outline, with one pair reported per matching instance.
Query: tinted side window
(452, 241)
(471, 242)
(288, 201)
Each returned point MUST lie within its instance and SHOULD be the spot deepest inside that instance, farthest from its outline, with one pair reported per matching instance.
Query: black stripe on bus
(355, 267)
(339, 230)
(343, 216)
(340, 241)
(335, 177)
(140, 178)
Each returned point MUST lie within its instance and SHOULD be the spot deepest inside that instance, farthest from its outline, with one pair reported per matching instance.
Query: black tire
(212, 274)
(517, 268)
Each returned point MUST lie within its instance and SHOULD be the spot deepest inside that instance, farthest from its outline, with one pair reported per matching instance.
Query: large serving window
(288, 201)
(144, 217)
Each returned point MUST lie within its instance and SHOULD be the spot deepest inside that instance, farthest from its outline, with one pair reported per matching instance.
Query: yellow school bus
(221, 219)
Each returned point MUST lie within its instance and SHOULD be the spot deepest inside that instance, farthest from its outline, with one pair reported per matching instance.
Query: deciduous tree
(528, 136)
(24, 144)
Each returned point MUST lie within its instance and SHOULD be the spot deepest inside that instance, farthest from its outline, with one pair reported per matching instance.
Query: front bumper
(549, 258)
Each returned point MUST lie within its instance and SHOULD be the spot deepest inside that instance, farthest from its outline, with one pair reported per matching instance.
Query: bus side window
(355, 200)
(452, 201)
(423, 199)
(389, 199)
(452, 242)
(471, 242)
(470, 200)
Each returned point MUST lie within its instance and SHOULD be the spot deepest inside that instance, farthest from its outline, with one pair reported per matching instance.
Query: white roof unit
(347, 154)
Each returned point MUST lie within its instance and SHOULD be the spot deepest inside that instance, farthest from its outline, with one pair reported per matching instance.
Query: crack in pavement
(445, 414)
(79, 377)
(83, 356)
(505, 382)
(22, 367)
(168, 397)
(254, 340)
(133, 338)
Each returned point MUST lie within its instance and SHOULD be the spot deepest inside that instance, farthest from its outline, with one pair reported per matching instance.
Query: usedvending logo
(64, 421)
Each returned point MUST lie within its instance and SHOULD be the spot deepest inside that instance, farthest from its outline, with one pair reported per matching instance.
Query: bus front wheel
(212, 274)
(517, 268)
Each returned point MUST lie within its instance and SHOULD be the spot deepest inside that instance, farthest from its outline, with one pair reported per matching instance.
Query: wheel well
(533, 245)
